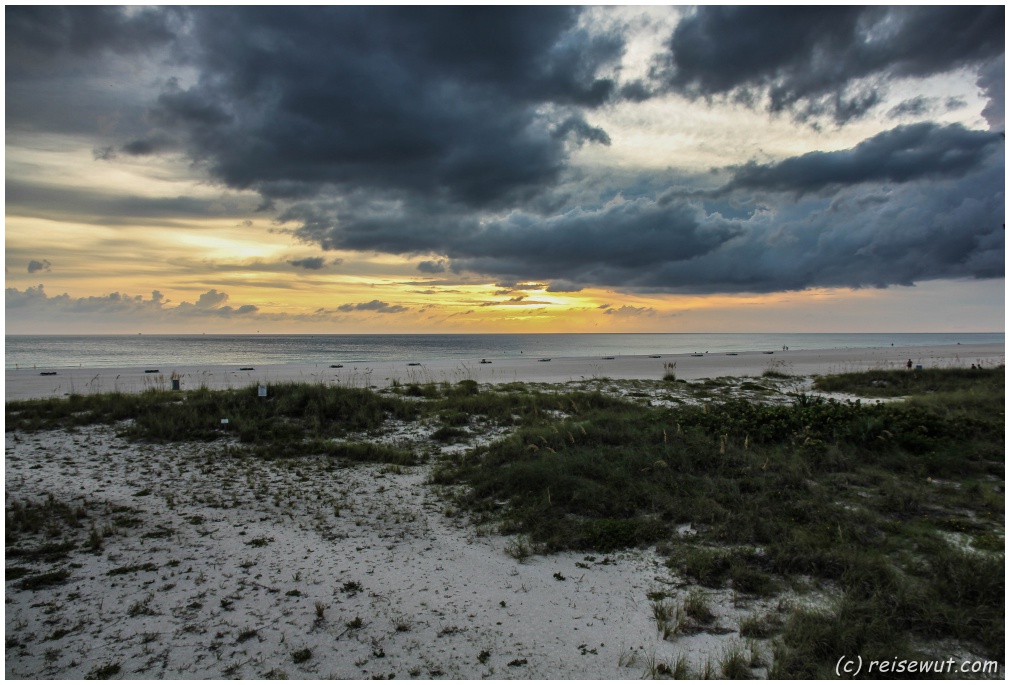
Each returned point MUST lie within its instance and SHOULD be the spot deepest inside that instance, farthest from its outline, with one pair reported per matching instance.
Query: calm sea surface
(98, 351)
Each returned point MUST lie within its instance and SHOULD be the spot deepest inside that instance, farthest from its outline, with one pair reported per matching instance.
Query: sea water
(108, 351)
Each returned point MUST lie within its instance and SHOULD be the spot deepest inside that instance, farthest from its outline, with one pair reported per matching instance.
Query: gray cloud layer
(35, 302)
(901, 155)
(914, 203)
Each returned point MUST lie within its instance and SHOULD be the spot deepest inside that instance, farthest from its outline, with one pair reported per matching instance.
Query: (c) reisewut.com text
(852, 666)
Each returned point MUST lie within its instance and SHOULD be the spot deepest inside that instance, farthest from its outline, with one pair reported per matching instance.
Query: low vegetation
(894, 510)
(878, 500)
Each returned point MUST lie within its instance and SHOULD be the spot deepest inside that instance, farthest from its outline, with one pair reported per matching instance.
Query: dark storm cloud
(901, 155)
(36, 265)
(432, 267)
(921, 106)
(141, 147)
(81, 69)
(37, 34)
(860, 237)
(563, 287)
(915, 203)
(992, 81)
(311, 263)
(467, 102)
(913, 107)
(621, 235)
(581, 132)
(808, 60)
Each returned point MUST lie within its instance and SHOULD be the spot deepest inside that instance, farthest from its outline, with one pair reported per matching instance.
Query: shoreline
(22, 384)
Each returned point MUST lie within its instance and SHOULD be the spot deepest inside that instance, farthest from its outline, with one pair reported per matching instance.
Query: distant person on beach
(909, 364)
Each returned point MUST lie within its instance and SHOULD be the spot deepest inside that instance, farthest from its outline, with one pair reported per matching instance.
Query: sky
(522, 169)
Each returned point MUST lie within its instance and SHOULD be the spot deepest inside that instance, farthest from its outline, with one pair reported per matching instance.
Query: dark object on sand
(336, 366)
(47, 373)
(653, 356)
(413, 363)
(769, 352)
(543, 360)
(608, 357)
(246, 368)
(484, 361)
(697, 355)
(151, 371)
(731, 354)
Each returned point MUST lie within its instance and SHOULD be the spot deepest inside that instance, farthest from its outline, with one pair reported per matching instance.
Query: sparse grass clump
(45, 579)
(104, 672)
(670, 372)
(449, 434)
(49, 516)
(735, 665)
(246, 635)
(697, 606)
(761, 627)
(519, 548)
(776, 369)
(133, 568)
(47, 551)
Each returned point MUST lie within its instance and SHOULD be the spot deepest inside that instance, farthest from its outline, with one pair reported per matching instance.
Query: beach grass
(877, 500)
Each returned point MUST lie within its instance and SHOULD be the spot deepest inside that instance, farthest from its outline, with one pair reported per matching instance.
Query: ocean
(109, 351)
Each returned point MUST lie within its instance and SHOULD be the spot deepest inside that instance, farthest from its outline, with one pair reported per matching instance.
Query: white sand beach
(225, 580)
(36, 382)
(220, 566)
